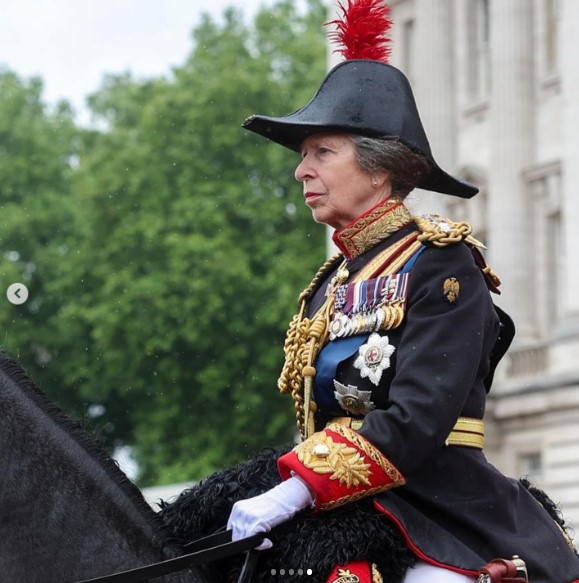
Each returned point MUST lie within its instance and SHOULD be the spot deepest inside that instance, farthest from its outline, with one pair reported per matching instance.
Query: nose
(303, 170)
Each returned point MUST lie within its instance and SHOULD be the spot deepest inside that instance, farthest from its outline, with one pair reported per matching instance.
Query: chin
(330, 221)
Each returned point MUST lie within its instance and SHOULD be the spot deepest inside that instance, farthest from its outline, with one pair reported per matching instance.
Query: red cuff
(358, 571)
(340, 466)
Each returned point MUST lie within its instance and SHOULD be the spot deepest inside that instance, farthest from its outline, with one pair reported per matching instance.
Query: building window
(544, 185)
(554, 263)
(473, 211)
(531, 466)
(478, 39)
(551, 12)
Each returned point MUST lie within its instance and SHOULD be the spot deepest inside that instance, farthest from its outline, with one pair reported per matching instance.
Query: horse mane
(11, 369)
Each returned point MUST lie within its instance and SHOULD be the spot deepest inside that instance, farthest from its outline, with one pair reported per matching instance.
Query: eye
(315, 151)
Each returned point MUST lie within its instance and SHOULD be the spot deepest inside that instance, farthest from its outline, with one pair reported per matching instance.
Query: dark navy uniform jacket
(456, 509)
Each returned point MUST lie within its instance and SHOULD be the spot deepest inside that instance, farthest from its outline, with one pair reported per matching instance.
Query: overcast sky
(71, 44)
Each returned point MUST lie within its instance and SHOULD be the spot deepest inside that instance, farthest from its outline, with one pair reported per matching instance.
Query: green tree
(186, 245)
(38, 150)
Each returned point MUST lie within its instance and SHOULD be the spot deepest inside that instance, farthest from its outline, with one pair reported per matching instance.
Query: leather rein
(204, 550)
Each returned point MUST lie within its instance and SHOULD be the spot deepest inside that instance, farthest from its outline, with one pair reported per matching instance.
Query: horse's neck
(67, 512)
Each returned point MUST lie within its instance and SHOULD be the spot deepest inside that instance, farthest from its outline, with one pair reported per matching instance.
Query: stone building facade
(497, 87)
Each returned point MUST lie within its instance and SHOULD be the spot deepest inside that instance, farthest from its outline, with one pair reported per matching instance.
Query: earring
(374, 182)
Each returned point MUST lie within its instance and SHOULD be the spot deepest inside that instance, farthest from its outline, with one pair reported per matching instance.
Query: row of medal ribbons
(368, 306)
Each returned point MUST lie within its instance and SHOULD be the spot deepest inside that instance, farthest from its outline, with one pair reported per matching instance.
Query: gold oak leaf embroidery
(323, 456)
(346, 576)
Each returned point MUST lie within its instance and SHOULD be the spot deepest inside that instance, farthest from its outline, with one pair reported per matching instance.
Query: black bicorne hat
(368, 98)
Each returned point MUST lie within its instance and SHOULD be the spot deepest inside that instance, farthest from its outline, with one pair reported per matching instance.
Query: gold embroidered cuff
(340, 466)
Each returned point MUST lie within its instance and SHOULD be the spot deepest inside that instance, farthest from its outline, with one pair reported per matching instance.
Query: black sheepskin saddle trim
(319, 542)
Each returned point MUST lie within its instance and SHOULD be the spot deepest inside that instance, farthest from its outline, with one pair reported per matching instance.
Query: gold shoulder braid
(442, 232)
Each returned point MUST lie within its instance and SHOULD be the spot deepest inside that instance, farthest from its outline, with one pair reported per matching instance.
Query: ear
(381, 180)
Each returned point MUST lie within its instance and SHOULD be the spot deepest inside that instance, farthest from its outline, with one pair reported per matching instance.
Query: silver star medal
(352, 400)
(374, 357)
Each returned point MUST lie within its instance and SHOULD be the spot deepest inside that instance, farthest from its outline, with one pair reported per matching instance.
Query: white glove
(263, 512)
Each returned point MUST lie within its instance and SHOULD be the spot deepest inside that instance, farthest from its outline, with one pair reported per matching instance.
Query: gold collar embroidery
(372, 228)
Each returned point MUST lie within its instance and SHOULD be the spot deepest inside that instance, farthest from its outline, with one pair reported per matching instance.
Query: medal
(342, 274)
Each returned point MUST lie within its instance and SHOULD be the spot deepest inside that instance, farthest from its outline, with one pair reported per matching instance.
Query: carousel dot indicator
(309, 572)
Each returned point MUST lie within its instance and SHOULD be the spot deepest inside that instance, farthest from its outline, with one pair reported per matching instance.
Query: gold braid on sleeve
(304, 339)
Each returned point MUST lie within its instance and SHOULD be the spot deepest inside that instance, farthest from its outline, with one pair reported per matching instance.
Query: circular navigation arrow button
(17, 293)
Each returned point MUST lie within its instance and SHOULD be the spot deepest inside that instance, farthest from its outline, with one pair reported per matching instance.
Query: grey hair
(388, 155)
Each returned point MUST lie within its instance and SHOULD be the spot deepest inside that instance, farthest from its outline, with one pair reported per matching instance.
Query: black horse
(67, 512)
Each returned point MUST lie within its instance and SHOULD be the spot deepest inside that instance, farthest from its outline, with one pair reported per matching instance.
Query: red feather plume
(361, 32)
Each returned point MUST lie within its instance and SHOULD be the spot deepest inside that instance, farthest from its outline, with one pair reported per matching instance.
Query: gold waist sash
(467, 431)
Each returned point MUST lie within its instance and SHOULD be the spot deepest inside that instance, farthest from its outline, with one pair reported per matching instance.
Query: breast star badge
(352, 400)
(374, 357)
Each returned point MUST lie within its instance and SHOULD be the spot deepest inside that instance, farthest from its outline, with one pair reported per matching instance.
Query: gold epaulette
(443, 232)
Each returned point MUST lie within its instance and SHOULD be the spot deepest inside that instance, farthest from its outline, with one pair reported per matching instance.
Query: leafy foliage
(38, 148)
(165, 252)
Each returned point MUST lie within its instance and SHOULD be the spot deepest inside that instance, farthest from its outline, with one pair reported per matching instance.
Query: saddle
(504, 571)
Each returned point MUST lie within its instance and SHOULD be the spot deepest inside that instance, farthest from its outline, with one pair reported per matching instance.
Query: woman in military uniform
(392, 353)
